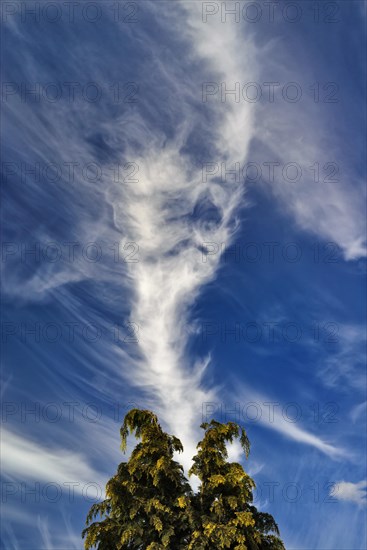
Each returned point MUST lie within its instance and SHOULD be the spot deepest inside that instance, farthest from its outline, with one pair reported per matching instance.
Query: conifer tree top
(150, 504)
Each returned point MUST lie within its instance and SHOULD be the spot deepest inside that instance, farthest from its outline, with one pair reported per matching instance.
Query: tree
(142, 509)
(151, 506)
(223, 514)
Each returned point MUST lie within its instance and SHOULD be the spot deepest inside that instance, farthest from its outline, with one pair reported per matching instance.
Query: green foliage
(151, 506)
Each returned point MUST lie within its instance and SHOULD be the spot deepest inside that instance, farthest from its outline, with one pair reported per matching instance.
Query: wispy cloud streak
(172, 212)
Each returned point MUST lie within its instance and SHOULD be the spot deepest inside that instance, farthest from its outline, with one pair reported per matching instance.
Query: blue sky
(184, 230)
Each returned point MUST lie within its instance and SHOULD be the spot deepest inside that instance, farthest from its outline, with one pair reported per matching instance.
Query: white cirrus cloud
(26, 459)
(275, 420)
(350, 492)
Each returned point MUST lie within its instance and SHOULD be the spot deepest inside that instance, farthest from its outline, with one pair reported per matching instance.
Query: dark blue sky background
(283, 340)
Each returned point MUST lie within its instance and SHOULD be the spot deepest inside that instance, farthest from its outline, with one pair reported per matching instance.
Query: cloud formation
(350, 492)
